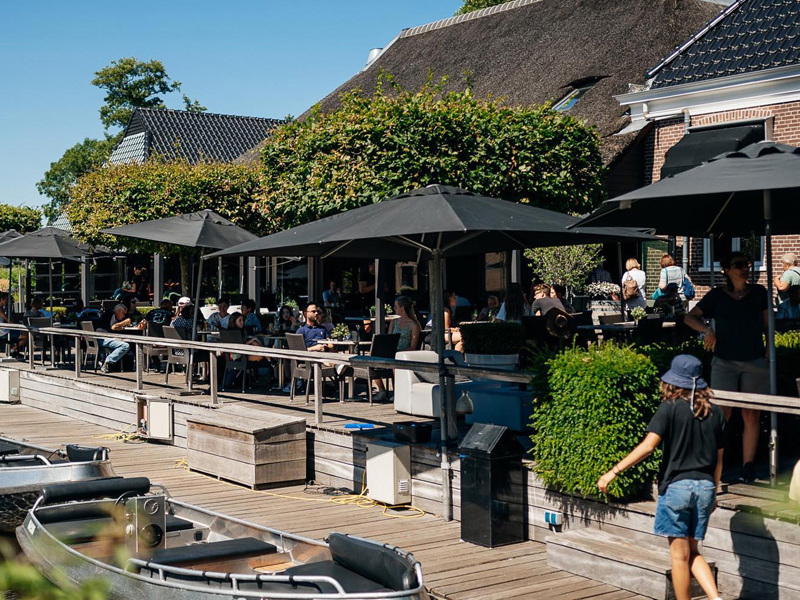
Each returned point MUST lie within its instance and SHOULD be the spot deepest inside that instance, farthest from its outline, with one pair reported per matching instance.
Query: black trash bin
(492, 511)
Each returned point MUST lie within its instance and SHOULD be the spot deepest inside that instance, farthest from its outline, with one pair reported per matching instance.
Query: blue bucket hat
(686, 371)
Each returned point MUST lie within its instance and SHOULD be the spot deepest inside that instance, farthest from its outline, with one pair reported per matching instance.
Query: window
(752, 247)
(579, 88)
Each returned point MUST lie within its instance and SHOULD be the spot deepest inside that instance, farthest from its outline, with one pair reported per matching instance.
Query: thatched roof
(532, 51)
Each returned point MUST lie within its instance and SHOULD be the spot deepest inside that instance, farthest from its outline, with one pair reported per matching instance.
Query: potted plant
(340, 332)
(492, 344)
(638, 313)
(604, 299)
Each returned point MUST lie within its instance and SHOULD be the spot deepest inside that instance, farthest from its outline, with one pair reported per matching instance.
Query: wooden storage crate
(253, 447)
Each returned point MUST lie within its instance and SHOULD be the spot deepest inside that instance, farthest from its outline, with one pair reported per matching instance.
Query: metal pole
(194, 320)
(219, 275)
(380, 312)
(437, 315)
(212, 377)
(77, 358)
(712, 280)
(773, 368)
(50, 281)
(318, 416)
(158, 278)
(621, 271)
(139, 361)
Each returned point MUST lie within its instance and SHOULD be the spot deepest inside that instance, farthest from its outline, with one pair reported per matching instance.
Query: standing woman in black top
(691, 432)
(739, 310)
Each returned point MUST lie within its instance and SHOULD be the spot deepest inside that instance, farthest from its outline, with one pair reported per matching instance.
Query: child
(692, 432)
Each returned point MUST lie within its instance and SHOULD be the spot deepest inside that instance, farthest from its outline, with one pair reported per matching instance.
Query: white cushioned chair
(413, 395)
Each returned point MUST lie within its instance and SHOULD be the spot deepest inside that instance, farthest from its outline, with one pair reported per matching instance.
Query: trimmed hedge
(593, 408)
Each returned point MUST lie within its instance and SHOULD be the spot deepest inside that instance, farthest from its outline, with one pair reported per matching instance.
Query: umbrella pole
(194, 318)
(621, 271)
(50, 281)
(437, 315)
(773, 368)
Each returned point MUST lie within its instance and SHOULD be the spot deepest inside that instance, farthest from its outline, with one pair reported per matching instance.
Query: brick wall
(665, 134)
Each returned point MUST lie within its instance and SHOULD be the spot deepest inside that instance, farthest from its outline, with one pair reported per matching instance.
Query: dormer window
(579, 88)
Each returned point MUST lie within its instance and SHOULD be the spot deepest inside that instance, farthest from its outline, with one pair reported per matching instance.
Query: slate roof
(532, 51)
(195, 136)
(750, 35)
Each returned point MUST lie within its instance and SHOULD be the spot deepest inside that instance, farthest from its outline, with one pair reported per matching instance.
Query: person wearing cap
(114, 320)
(691, 433)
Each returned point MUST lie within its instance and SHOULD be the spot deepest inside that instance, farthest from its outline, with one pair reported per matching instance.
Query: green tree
(122, 194)
(83, 157)
(131, 83)
(566, 265)
(473, 5)
(396, 140)
(21, 218)
(128, 83)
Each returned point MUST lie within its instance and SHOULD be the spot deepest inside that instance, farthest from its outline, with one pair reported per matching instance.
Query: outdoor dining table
(350, 346)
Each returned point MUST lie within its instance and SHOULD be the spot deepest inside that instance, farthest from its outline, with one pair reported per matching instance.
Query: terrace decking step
(779, 494)
(633, 565)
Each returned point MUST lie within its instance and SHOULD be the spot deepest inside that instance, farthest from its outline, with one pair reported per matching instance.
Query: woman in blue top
(691, 432)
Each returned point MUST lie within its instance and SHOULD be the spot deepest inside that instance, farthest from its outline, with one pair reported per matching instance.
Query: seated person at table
(237, 323)
(219, 319)
(515, 307)
(136, 317)
(115, 319)
(252, 325)
(162, 315)
(183, 324)
(286, 322)
(560, 293)
(407, 325)
(327, 321)
(542, 301)
(313, 332)
(9, 334)
(332, 297)
(35, 311)
(489, 312)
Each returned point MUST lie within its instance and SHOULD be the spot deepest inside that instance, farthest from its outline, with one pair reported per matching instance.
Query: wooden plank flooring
(453, 569)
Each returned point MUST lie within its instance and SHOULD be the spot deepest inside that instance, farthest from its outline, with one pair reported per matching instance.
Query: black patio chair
(383, 346)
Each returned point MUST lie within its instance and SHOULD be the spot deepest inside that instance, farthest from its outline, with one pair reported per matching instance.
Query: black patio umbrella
(750, 191)
(203, 230)
(4, 237)
(49, 243)
(433, 222)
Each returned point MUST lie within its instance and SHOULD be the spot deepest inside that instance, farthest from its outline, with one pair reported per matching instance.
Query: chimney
(373, 54)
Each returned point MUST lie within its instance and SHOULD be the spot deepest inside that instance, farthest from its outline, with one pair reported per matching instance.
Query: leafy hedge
(787, 355)
(592, 409)
(21, 218)
(395, 140)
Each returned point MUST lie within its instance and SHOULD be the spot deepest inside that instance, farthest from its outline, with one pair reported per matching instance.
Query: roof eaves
(649, 75)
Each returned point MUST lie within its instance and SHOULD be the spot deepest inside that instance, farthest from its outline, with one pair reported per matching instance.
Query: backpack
(630, 289)
(688, 288)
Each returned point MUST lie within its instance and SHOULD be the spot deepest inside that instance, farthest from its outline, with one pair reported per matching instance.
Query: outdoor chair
(39, 341)
(150, 350)
(175, 356)
(238, 364)
(383, 346)
(304, 370)
(417, 393)
(93, 347)
(649, 331)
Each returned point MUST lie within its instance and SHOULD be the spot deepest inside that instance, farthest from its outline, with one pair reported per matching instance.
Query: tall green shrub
(593, 410)
(787, 356)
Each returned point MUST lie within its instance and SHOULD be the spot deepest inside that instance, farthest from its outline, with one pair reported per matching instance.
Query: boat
(26, 468)
(145, 544)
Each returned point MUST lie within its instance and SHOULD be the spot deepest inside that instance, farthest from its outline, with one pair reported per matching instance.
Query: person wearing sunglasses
(739, 313)
(313, 332)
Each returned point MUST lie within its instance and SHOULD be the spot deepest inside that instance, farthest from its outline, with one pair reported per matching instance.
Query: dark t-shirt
(689, 445)
(738, 324)
(313, 334)
(545, 305)
(160, 316)
(140, 281)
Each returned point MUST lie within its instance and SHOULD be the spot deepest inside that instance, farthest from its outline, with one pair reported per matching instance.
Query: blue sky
(265, 59)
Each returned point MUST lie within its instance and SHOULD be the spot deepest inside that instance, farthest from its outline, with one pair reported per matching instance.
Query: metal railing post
(78, 357)
(31, 362)
(318, 416)
(212, 377)
(139, 359)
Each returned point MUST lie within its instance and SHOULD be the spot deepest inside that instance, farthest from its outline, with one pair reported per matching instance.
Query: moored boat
(145, 544)
(26, 468)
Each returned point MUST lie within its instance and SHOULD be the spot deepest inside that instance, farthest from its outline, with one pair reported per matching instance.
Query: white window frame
(736, 246)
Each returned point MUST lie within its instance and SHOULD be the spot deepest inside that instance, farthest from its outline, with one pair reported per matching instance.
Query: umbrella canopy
(48, 242)
(724, 195)
(431, 222)
(202, 229)
(447, 220)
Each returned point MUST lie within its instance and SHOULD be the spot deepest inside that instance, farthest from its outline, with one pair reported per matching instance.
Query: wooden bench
(254, 447)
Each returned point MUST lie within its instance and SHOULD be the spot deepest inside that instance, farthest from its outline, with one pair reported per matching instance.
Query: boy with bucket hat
(691, 432)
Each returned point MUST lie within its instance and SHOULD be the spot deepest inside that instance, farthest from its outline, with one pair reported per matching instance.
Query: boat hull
(66, 566)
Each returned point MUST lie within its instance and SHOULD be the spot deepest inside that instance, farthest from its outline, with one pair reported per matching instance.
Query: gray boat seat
(6, 448)
(76, 453)
(351, 582)
(222, 550)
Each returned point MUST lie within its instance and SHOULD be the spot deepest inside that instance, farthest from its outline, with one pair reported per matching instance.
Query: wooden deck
(453, 569)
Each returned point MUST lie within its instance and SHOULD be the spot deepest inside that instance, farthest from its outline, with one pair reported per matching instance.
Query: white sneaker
(105, 367)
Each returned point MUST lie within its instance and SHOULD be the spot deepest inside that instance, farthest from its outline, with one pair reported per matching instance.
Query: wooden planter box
(256, 448)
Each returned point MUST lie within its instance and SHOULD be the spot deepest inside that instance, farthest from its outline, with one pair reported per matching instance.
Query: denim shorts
(683, 511)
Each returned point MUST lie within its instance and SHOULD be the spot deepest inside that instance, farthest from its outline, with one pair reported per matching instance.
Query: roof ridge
(477, 14)
(201, 113)
(696, 37)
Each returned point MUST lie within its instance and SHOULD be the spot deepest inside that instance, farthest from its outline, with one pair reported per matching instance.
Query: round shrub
(594, 409)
